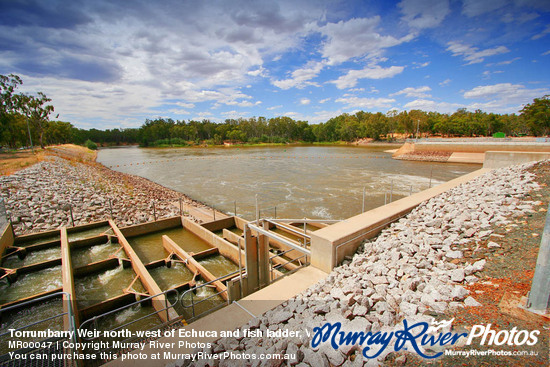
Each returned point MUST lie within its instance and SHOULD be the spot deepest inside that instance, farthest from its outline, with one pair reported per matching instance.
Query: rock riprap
(42, 196)
(408, 272)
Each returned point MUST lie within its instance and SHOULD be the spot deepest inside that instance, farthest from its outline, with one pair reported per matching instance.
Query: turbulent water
(300, 181)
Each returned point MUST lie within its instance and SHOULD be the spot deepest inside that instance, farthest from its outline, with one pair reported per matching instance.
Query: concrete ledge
(331, 244)
(461, 157)
(499, 159)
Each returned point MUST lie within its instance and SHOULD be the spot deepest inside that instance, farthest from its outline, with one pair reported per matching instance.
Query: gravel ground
(41, 197)
(426, 265)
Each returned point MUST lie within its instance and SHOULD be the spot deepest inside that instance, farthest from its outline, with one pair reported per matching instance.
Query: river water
(323, 182)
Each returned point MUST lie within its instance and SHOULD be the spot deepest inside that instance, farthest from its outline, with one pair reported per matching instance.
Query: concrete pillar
(68, 281)
(251, 251)
(263, 258)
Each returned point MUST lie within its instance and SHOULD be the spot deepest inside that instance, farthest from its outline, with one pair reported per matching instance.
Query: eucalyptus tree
(37, 112)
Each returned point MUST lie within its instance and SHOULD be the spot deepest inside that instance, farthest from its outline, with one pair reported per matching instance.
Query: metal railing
(272, 267)
(47, 346)
(192, 291)
(167, 306)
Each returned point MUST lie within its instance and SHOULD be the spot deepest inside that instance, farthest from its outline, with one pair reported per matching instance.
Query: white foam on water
(321, 212)
(98, 249)
(125, 315)
(105, 277)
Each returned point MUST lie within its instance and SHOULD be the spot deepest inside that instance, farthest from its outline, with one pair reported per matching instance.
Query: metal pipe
(391, 192)
(279, 238)
(257, 210)
(240, 270)
(154, 211)
(363, 207)
(285, 220)
(539, 296)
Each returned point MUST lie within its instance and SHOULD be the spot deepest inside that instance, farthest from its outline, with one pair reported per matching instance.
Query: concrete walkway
(228, 318)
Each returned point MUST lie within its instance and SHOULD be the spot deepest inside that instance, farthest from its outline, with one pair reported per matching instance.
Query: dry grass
(11, 162)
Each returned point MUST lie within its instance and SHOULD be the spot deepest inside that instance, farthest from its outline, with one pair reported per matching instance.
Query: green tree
(537, 115)
(37, 112)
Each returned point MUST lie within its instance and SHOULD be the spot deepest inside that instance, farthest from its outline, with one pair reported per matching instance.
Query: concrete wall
(475, 147)
(7, 239)
(149, 227)
(499, 159)
(226, 248)
(331, 244)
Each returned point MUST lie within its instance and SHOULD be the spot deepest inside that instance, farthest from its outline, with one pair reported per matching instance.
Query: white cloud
(185, 105)
(472, 54)
(179, 111)
(503, 97)
(369, 103)
(473, 8)
(243, 103)
(82, 101)
(422, 14)
(305, 101)
(546, 53)
(430, 105)
(541, 34)
(445, 82)
(419, 66)
(324, 100)
(420, 92)
(274, 107)
(508, 62)
(300, 78)
(233, 114)
(357, 37)
(374, 72)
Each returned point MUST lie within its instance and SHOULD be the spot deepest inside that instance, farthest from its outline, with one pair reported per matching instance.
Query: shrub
(90, 145)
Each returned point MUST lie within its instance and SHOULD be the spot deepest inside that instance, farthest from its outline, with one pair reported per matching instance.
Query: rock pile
(406, 273)
(42, 196)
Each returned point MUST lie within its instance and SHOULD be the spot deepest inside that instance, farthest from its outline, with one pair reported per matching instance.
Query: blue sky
(108, 64)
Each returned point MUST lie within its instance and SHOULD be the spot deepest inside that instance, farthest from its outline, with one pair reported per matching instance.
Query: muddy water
(149, 246)
(31, 284)
(86, 255)
(301, 181)
(95, 288)
(168, 278)
(204, 299)
(80, 235)
(39, 240)
(33, 257)
(218, 265)
(27, 316)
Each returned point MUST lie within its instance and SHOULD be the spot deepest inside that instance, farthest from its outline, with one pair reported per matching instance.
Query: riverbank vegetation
(22, 115)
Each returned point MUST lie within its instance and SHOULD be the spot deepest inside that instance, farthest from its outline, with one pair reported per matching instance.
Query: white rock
(471, 302)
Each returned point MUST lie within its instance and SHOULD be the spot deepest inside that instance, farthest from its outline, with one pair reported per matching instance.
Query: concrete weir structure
(272, 256)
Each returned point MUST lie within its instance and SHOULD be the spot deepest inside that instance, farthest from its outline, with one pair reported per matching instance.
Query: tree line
(24, 117)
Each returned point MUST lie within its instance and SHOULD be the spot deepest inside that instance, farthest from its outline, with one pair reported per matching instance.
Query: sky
(113, 64)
